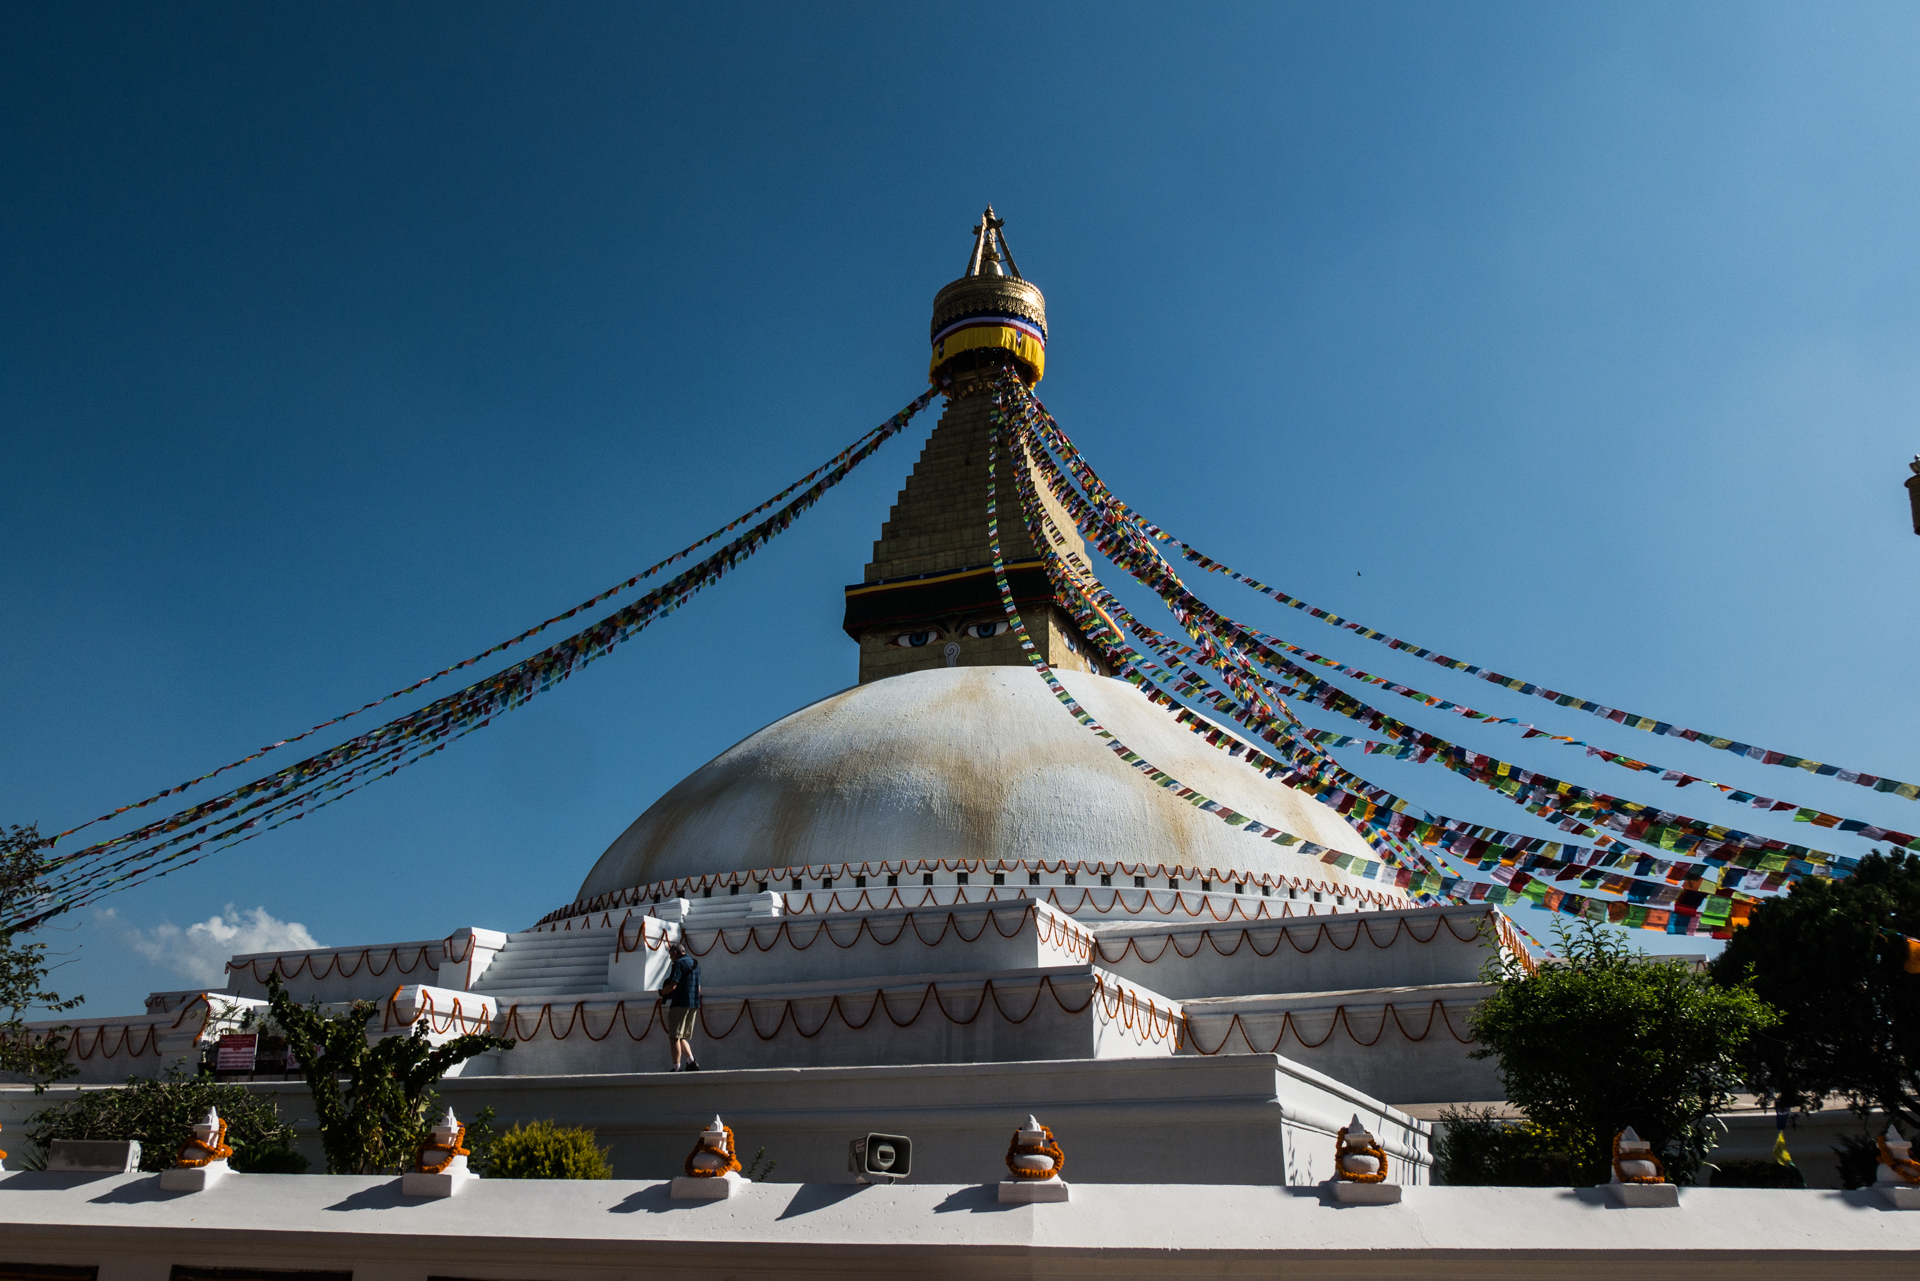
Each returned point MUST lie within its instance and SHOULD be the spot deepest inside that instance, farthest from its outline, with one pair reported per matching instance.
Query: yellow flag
(1780, 1152)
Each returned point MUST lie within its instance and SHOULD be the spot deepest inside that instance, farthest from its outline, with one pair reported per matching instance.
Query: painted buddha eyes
(914, 640)
(977, 631)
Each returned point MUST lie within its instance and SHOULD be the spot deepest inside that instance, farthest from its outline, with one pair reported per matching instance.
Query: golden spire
(990, 319)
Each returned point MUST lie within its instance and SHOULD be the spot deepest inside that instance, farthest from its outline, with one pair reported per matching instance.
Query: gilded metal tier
(988, 296)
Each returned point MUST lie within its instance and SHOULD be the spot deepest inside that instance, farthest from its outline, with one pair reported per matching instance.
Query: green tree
(160, 1115)
(1830, 956)
(1602, 1037)
(543, 1150)
(1478, 1148)
(40, 1058)
(373, 1099)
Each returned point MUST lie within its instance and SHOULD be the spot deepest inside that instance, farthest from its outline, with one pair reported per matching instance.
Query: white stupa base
(718, 1189)
(194, 1178)
(1901, 1196)
(1655, 1195)
(1030, 1191)
(446, 1183)
(1347, 1192)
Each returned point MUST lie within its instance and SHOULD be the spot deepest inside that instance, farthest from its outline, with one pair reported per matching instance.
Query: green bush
(1756, 1172)
(1600, 1038)
(161, 1115)
(1859, 1160)
(1478, 1149)
(543, 1150)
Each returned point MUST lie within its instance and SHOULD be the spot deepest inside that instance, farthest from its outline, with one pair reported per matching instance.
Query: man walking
(681, 996)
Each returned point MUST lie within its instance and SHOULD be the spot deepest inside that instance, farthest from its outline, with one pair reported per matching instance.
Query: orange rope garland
(1049, 1148)
(1659, 1174)
(1907, 1171)
(732, 1159)
(459, 1148)
(215, 1151)
(1342, 1149)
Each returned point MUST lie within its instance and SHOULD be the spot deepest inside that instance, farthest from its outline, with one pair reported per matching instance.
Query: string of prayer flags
(889, 427)
(1632, 720)
(85, 875)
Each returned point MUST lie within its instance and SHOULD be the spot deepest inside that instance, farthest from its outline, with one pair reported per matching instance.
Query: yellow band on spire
(1026, 346)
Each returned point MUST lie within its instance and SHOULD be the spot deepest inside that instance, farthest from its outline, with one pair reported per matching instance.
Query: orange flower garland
(702, 1145)
(193, 1153)
(1659, 1174)
(1908, 1171)
(1050, 1148)
(1342, 1149)
(459, 1148)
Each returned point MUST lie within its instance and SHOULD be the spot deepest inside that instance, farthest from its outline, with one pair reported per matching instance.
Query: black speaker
(881, 1158)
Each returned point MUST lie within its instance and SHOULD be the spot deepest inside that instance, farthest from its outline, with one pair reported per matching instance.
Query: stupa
(934, 900)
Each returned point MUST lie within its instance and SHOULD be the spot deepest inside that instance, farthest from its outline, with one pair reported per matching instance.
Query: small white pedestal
(1654, 1195)
(1347, 1192)
(727, 1185)
(446, 1183)
(194, 1178)
(1032, 1191)
(1901, 1196)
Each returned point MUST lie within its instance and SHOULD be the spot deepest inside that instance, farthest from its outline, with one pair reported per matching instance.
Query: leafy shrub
(1756, 1172)
(1859, 1158)
(1479, 1149)
(161, 1115)
(1601, 1037)
(543, 1150)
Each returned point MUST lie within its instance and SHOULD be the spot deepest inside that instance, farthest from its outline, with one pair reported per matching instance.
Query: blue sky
(339, 343)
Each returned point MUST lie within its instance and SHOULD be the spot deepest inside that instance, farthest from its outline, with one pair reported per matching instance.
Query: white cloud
(200, 952)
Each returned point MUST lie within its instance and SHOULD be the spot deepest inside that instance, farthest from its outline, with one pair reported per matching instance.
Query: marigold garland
(1342, 1149)
(1050, 1148)
(215, 1151)
(702, 1145)
(1905, 1170)
(459, 1148)
(1659, 1174)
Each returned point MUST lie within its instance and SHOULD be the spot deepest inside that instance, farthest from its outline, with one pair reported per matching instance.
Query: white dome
(965, 763)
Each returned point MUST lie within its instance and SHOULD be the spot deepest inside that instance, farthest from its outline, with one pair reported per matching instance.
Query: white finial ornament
(1639, 1177)
(1034, 1160)
(712, 1168)
(202, 1160)
(1360, 1167)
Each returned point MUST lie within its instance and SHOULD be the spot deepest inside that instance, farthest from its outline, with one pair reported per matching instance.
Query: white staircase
(544, 963)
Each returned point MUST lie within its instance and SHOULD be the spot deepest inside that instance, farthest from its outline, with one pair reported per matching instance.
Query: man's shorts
(679, 1020)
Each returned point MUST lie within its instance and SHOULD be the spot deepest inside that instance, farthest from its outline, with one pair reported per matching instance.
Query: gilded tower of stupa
(928, 598)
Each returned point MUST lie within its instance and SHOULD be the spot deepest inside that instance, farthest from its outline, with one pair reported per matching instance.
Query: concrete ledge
(598, 1230)
(1663, 1196)
(1900, 1197)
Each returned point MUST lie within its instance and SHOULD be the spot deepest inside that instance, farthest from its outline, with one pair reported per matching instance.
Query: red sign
(236, 1052)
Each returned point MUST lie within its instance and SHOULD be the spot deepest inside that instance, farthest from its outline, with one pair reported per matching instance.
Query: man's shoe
(692, 1066)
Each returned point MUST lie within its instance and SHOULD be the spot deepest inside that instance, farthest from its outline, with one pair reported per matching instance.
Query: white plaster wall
(1207, 958)
(368, 972)
(1400, 1044)
(883, 944)
(1057, 1012)
(1232, 1119)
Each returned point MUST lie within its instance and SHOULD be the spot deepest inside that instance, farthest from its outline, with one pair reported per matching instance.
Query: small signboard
(236, 1052)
